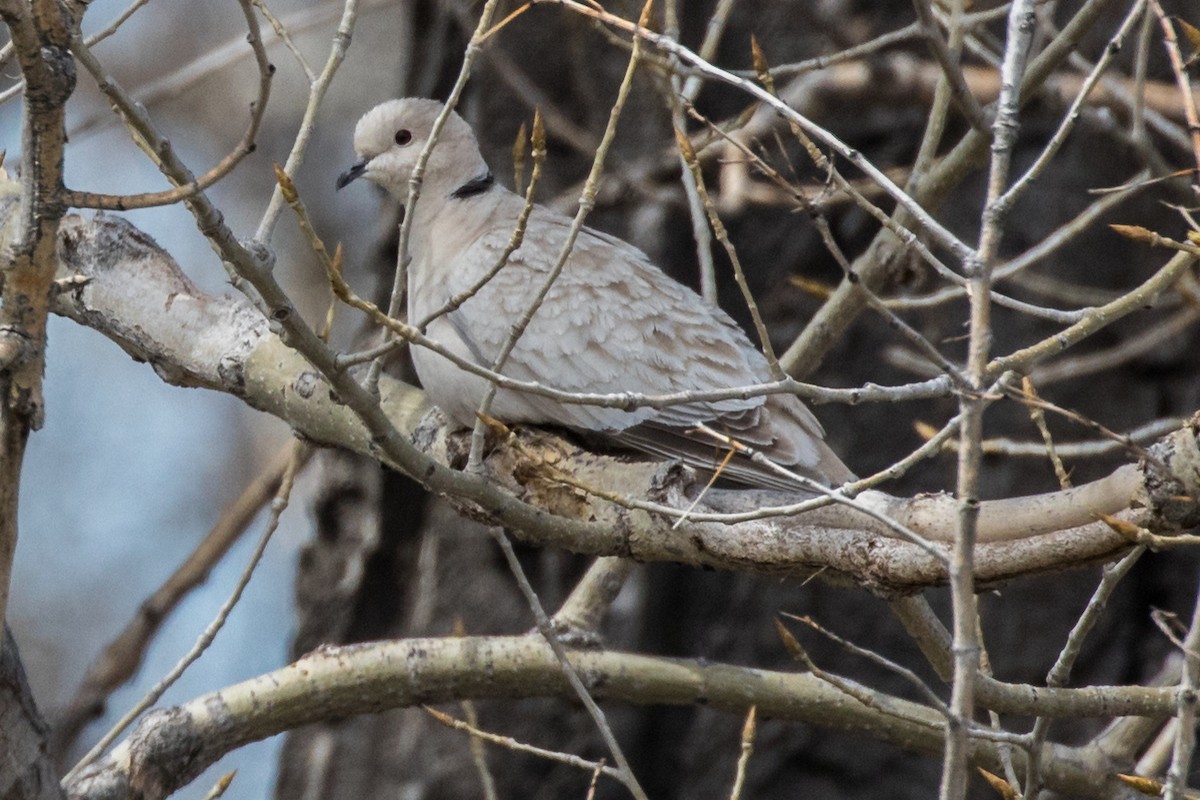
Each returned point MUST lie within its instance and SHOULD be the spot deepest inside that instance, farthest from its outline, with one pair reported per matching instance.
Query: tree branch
(172, 746)
(39, 33)
(137, 296)
(26, 769)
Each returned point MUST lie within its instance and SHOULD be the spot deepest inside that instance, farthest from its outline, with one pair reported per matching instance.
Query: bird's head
(389, 139)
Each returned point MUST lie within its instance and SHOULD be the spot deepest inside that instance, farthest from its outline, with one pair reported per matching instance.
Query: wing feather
(613, 322)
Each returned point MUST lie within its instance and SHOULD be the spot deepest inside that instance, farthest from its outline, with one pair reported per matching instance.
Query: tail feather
(699, 451)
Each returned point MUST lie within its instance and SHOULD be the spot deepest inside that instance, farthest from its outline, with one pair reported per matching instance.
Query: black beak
(356, 171)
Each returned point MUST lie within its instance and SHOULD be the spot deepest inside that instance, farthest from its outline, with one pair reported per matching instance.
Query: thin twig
(713, 32)
(208, 218)
(1131, 446)
(1140, 344)
(978, 267)
(739, 275)
(749, 729)
(195, 185)
(1060, 237)
(1142, 434)
(281, 31)
(960, 93)
(538, 140)
(1141, 64)
(878, 700)
(1185, 734)
(1060, 673)
(875, 658)
(874, 46)
(317, 89)
(544, 627)
(478, 753)
(687, 178)
(1171, 42)
(404, 257)
(1096, 318)
(1035, 170)
(1038, 416)
(110, 29)
(587, 201)
(510, 743)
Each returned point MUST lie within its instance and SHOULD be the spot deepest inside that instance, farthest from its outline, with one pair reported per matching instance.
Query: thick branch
(137, 296)
(39, 33)
(172, 746)
(26, 769)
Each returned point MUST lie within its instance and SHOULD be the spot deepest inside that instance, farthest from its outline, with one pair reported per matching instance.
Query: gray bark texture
(27, 770)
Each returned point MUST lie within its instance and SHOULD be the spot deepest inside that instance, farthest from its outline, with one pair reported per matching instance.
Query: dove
(611, 322)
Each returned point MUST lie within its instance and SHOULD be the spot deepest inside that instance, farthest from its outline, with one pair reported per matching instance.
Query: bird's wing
(612, 322)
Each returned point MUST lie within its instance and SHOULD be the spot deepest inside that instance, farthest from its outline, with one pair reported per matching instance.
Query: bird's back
(611, 322)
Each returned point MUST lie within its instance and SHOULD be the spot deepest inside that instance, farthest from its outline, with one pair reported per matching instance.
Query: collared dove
(612, 321)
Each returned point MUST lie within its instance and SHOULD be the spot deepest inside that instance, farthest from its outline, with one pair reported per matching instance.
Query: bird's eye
(403, 137)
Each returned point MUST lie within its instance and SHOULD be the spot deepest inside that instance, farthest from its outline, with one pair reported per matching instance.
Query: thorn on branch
(518, 157)
(286, 185)
(1002, 787)
(792, 644)
(761, 70)
(1142, 785)
(221, 786)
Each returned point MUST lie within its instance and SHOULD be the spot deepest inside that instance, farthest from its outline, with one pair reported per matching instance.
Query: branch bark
(40, 33)
(135, 294)
(26, 769)
(172, 746)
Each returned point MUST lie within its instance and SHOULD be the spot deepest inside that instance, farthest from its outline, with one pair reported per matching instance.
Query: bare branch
(173, 745)
(194, 185)
(238, 354)
(39, 31)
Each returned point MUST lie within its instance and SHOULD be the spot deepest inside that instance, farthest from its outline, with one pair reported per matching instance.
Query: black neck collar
(475, 186)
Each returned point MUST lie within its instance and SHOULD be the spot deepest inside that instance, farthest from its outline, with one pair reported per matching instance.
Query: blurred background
(129, 473)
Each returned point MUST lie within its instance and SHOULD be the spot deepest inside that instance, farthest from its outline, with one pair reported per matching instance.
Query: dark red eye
(403, 137)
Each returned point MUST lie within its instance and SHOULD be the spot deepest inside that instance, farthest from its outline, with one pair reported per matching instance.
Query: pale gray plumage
(612, 322)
